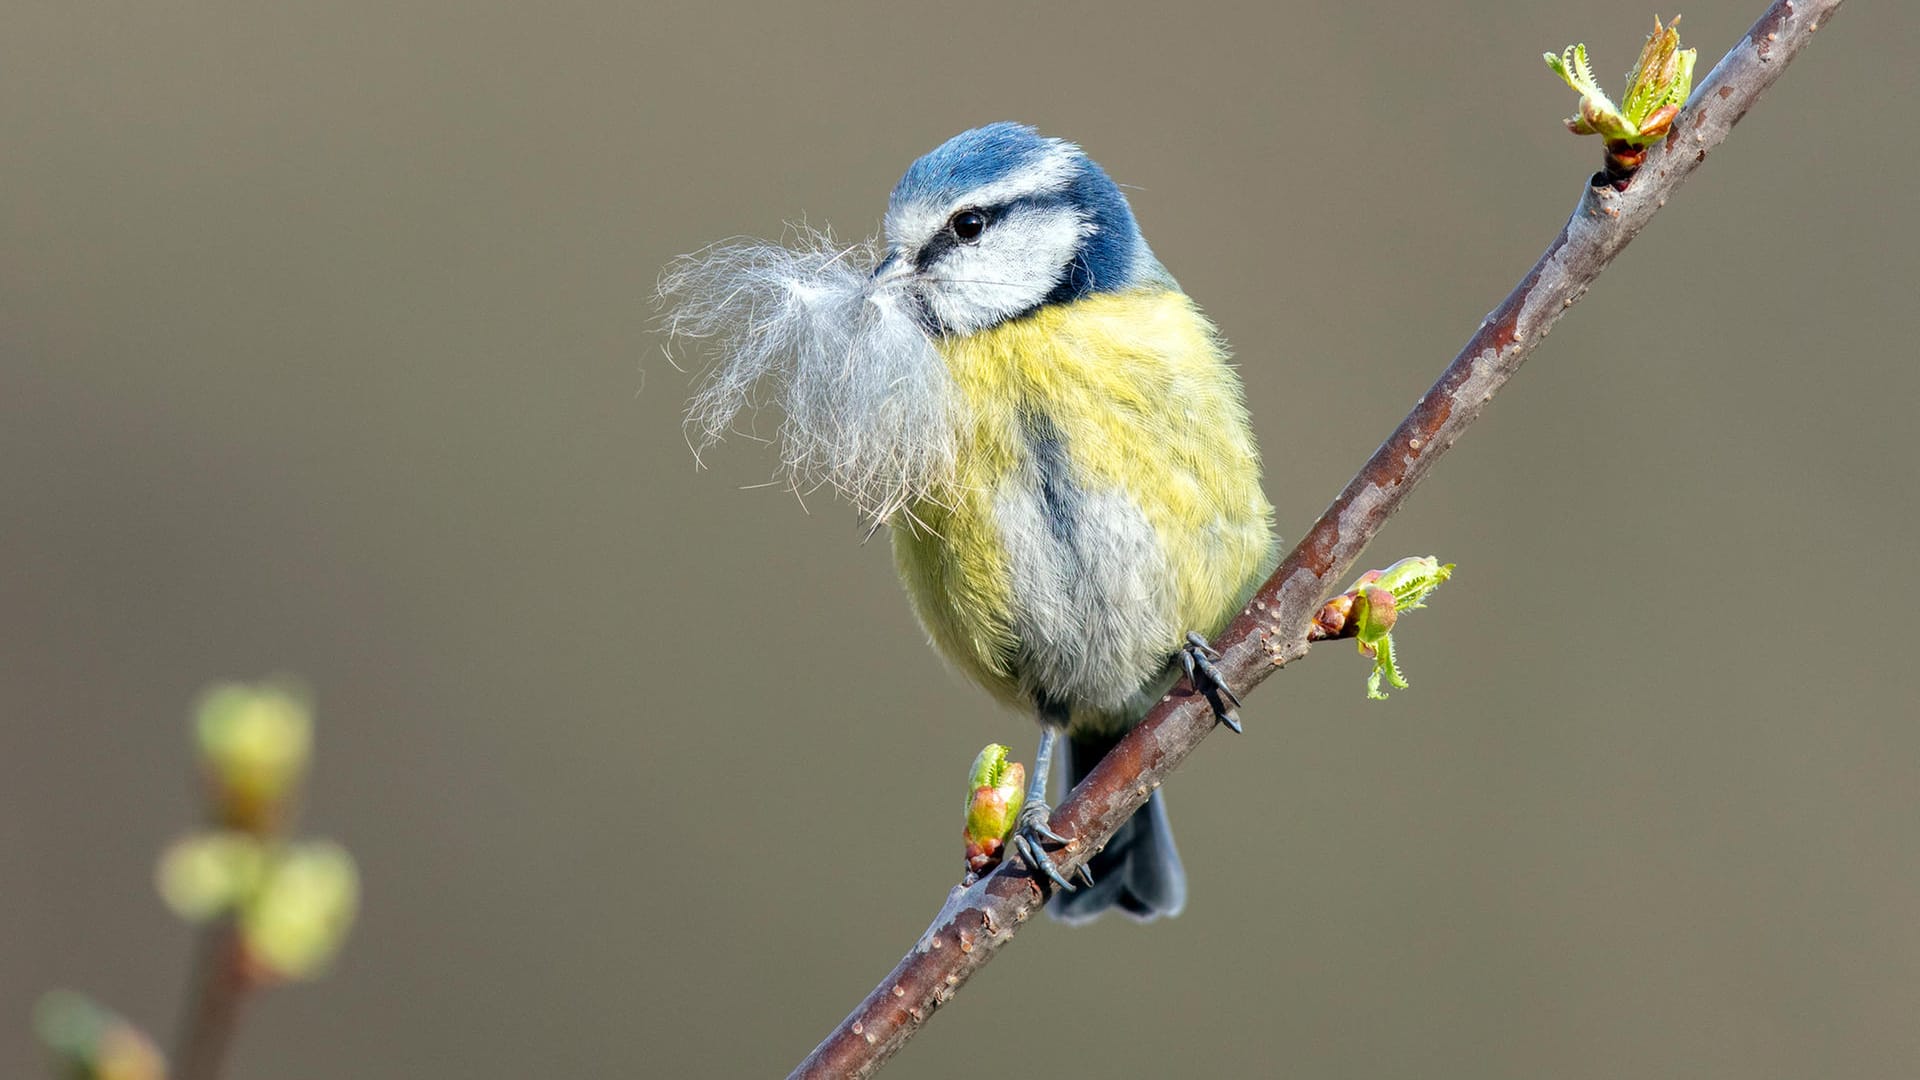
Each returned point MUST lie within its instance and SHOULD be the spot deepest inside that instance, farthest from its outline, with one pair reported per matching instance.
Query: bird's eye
(968, 224)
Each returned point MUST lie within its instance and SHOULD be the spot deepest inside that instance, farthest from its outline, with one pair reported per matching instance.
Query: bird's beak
(896, 267)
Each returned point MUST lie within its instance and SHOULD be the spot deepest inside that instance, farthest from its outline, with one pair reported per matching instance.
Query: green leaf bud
(995, 790)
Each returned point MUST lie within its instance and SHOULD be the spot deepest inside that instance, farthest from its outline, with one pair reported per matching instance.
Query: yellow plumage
(1134, 393)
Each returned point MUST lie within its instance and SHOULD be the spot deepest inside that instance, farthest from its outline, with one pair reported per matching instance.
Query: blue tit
(1048, 425)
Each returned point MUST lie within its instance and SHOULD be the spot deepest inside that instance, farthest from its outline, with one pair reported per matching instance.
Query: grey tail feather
(1138, 871)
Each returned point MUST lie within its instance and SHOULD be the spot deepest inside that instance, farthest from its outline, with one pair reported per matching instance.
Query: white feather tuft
(868, 406)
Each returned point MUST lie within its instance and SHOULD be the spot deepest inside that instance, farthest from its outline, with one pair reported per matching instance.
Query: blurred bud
(89, 1042)
(255, 742)
(994, 795)
(210, 873)
(295, 923)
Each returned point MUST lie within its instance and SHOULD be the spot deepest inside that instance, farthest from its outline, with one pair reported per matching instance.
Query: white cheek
(1018, 261)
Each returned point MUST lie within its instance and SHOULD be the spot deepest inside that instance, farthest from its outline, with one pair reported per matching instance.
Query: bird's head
(994, 224)
(1001, 220)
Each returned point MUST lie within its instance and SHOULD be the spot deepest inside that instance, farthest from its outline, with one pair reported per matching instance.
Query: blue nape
(1108, 260)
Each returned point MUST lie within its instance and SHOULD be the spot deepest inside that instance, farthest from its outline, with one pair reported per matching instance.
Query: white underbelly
(1092, 606)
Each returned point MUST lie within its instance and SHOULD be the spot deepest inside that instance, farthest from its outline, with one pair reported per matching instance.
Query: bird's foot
(1198, 657)
(1031, 833)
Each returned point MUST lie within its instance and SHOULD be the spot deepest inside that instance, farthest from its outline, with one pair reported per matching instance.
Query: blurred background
(326, 345)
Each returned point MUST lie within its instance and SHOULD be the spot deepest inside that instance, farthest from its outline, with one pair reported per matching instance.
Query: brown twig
(222, 979)
(1274, 629)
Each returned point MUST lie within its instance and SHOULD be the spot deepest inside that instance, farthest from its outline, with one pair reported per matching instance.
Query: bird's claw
(1197, 658)
(1029, 833)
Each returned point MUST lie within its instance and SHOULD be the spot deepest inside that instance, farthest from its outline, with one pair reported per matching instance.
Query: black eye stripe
(946, 239)
(930, 252)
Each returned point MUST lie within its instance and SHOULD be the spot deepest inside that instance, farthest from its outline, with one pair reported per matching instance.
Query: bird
(1050, 430)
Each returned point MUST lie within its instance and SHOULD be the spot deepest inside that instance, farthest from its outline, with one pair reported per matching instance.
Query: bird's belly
(1092, 596)
(1047, 593)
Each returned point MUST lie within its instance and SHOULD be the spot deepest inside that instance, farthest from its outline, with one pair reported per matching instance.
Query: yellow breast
(1107, 501)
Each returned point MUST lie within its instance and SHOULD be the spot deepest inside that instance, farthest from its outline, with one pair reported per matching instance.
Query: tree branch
(221, 983)
(1276, 626)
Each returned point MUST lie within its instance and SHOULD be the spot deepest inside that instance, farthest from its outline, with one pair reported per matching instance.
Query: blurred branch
(221, 981)
(1277, 626)
(273, 911)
